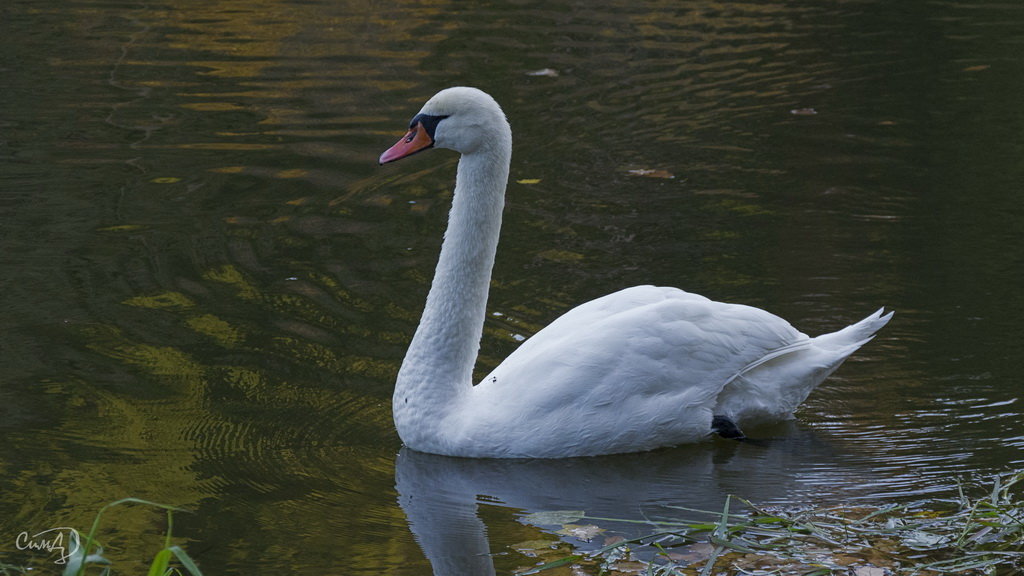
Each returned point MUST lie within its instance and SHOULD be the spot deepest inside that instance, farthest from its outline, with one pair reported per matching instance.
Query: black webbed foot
(726, 428)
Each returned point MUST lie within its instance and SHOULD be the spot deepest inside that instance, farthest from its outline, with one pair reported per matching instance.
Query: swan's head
(463, 119)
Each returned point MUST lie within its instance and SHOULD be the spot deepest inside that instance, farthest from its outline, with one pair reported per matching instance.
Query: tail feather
(855, 335)
(846, 340)
(772, 387)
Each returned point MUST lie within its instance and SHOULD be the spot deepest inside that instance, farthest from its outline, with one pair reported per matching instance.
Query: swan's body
(635, 370)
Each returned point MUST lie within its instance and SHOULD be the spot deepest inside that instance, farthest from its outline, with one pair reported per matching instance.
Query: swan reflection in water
(439, 494)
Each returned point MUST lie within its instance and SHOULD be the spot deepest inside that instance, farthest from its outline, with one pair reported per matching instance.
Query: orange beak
(415, 140)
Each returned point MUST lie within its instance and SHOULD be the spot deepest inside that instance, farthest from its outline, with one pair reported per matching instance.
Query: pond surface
(208, 285)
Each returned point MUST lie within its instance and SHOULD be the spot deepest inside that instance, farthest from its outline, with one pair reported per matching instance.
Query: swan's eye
(425, 122)
(411, 136)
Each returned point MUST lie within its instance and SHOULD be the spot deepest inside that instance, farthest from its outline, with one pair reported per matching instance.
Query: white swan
(635, 370)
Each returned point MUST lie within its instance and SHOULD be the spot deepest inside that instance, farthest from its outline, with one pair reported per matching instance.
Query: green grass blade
(997, 490)
(160, 563)
(91, 537)
(186, 560)
(710, 564)
(723, 524)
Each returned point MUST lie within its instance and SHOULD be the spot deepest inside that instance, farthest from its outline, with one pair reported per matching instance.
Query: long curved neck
(438, 368)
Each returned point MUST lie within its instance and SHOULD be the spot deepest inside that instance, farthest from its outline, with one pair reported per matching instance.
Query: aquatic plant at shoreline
(80, 559)
(978, 529)
(85, 553)
(962, 534)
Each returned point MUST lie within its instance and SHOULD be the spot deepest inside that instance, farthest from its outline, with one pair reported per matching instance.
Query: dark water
(207, 285)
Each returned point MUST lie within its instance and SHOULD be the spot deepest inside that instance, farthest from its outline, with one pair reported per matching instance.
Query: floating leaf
(121, 228)
(552, 517)
(549, 72)
(167, 180)
(977, 68)
(534, 548)
(920, 540)
(630, 567)
(652, 173)
(528, 181)
(586, 533)
(697, 552)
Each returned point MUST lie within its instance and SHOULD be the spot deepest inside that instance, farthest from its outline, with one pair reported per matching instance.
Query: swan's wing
(644, 359)
(666, 329)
